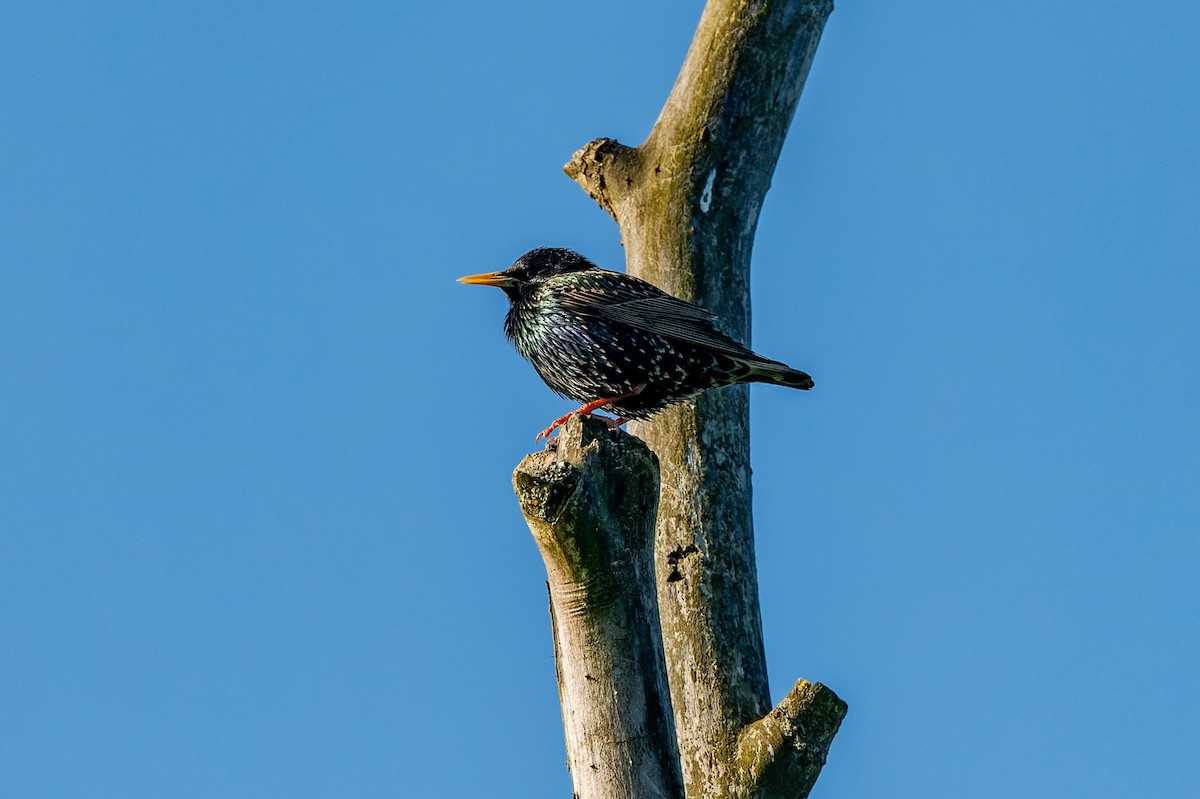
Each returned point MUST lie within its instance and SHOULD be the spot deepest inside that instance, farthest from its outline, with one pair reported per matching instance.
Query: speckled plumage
(593, 334)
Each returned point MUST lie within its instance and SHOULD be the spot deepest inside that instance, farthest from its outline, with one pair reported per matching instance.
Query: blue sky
(257, 536)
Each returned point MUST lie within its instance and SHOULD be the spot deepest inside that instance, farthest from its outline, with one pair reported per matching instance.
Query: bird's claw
(557, 423)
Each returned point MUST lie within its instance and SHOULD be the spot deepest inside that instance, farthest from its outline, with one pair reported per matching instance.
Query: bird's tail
(775, 372)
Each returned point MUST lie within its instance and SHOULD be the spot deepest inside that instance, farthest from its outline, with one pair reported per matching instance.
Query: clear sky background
(257, 536)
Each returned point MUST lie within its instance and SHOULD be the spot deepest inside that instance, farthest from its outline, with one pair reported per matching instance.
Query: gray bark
(590, 503)
(687, 203)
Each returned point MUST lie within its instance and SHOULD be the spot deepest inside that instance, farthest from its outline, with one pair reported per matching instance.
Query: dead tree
(657, 630)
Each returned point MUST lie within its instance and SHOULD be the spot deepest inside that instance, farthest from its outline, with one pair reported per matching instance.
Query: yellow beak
(487, 279)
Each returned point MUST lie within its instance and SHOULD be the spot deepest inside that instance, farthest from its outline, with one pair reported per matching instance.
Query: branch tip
(788, 746)
(603, 168)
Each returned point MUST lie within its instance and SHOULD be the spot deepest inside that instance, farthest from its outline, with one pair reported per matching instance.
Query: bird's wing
(645, 307)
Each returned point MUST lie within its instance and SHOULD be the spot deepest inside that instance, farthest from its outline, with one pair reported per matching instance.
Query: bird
(612, 341)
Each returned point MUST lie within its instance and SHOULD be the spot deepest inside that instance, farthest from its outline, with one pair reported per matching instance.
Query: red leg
(586, 410)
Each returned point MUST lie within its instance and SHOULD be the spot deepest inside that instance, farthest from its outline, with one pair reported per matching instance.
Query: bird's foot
(587, 410)
(551, 443)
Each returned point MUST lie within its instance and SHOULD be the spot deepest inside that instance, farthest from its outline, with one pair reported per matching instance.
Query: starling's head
(531, 270)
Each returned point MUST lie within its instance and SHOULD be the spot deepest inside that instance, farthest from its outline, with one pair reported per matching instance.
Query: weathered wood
(781, 754)
(687, 203)
(590, 503)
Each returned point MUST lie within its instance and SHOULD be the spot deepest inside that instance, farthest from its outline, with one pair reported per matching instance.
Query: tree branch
(591, 505)
(781, 754)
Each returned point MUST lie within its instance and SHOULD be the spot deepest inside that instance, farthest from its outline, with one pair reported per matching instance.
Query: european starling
(612, 341)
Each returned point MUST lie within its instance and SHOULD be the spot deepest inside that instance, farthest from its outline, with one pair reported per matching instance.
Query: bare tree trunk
(687, 203)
